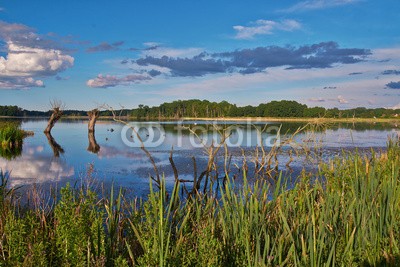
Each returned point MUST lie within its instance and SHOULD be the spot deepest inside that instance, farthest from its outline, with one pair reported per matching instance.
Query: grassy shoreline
(347, 213)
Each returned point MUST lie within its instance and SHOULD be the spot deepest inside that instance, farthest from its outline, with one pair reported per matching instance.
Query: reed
(345, 214)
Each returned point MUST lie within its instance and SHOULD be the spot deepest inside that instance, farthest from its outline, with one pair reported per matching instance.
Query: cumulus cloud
(262, 27)
(27, 61)
(317, 4)
(106, 81)
(393, 85)
(19, 83)
(28, 56)
(104, 46)
(249, 61)
(391, 72)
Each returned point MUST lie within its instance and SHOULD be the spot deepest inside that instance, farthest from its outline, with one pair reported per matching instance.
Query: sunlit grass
(11, 140)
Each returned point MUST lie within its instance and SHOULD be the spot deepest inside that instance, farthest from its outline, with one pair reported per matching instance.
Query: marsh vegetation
(11, 139)
(346, 212)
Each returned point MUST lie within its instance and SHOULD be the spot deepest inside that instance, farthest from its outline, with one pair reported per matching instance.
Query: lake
(113, 154)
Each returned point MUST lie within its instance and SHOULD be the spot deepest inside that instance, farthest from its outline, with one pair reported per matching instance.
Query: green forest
(196, 108)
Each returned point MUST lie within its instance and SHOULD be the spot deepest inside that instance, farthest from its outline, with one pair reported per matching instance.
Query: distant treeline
(203, 108)
(16, 111)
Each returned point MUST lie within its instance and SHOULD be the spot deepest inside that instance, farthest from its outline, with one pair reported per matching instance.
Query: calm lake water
(113, 154)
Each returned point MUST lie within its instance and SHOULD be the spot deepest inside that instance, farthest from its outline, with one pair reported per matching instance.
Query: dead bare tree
(57, 107)
(93, 115)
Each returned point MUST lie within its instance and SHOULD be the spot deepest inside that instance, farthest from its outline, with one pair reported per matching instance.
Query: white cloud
(20, 83)
(29, 56)
(317, 4)
(23, 61)
(262, 27)
(105, 81)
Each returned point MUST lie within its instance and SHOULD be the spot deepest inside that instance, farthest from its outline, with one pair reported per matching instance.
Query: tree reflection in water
(93, 145)
(57, 149)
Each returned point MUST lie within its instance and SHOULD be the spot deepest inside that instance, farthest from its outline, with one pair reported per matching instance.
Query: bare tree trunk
(93, 115)
(55, 116)
(57, 149)
(93, 146)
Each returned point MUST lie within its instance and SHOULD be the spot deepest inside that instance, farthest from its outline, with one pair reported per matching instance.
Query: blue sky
(332, 53)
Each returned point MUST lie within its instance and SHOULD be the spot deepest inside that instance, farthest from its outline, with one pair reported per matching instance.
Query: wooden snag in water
(57, 107)
(93, 115)
(93, 146)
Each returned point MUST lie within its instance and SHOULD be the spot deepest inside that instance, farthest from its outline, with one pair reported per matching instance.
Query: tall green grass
(346, 214)
(11, 139)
